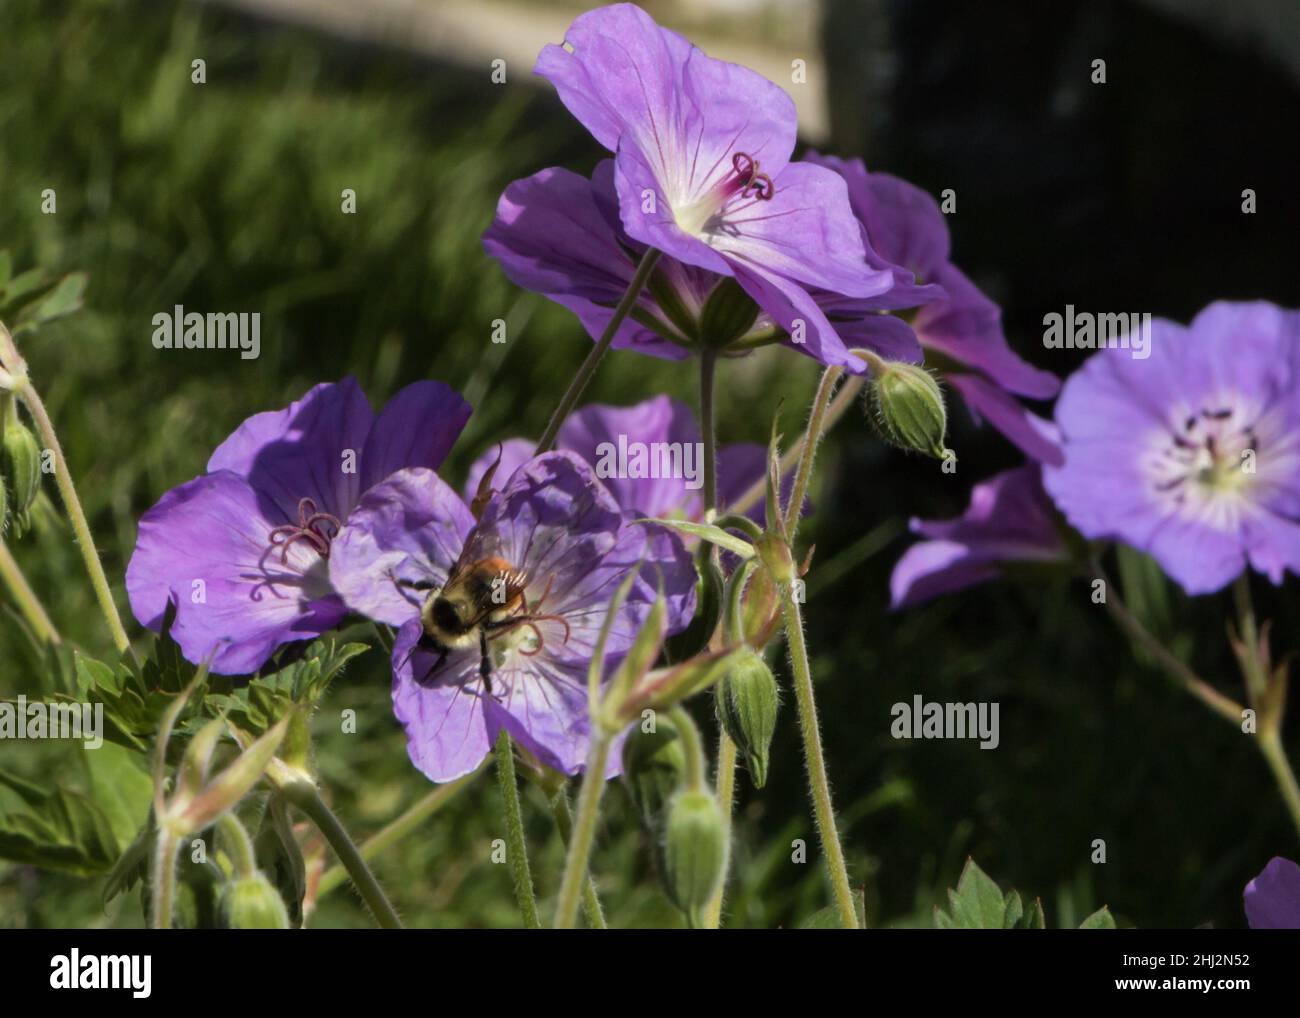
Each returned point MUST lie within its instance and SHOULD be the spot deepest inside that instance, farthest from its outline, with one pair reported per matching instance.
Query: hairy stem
(588, 368)
(396, 830)
(808, 449)
(584, 830)
(1270, 744)
(564, 821)
(708, 362)
(823, 811)
(76, 516)
(516, 844)
(305, 796)
(164, 879)
(28, 603)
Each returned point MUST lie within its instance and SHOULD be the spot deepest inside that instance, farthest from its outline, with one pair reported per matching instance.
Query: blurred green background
(225, 196)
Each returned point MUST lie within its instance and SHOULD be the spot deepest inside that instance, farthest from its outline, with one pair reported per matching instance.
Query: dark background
(1117, 197)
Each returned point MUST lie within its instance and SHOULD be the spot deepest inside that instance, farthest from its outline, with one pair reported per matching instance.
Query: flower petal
(410, 527)
(296, 453)
(416, 428)
(1026, 430)
(1272, 899)
(207, 546)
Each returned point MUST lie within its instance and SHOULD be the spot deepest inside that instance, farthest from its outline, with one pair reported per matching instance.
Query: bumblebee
(481, 600)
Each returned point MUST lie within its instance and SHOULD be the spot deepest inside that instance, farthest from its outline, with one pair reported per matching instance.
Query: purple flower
(649, 456)
(1193, 454)
(702, 173)
(1273, 898)
(242, 549)
(557, 545)
(906, 232)
(1009, 520)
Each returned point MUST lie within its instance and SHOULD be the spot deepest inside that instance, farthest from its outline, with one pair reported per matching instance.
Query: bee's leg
(423, 586)
(485, 662)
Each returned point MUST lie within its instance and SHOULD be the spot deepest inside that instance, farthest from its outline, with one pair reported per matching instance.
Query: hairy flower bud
(695, 851)
(907, 407)
(20, 465)
(251, 903)
(747, 700)
(653, 765)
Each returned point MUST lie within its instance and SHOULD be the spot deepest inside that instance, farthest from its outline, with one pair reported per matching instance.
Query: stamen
(747, 169)
(313, 526)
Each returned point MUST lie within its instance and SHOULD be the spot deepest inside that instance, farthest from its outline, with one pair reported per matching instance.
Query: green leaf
(122, 787)
(63, 299)
(1014, 910)
(56, 830)
(1099, 920)
(706, 532)
(977, 903)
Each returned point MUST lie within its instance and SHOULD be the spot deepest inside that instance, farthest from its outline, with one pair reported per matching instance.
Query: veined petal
(295, 453)
(1025, 429)
(416, 428)
(409, 528)
(207, 546)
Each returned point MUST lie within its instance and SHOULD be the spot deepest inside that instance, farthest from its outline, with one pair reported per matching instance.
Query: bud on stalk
(747, 699)
(695, 851)
(907, 407)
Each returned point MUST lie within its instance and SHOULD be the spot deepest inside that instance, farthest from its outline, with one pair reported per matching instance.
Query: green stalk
(76, 516)
(564, 821)
(584, 830)
(588, 368)
(823, 811)
(305, 796)
(163, 886)
(395, 831)
(516, 844)
(28, 603)
(808, 450)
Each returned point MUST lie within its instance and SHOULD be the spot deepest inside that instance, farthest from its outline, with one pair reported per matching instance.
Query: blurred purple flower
(1009, 520)
(1273, 898)
(627, 444)
(905, 231)
(701, 172)
(242, 549)
(559, 529)
(1193, 454)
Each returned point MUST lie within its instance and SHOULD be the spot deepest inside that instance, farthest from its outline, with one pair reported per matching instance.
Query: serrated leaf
(977, 904)
(1099, 920)
(56, 829)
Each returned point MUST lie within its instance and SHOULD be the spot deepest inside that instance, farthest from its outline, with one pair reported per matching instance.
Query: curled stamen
(315, 527)
(747, 169)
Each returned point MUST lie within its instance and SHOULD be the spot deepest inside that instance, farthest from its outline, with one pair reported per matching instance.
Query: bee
(481, 600)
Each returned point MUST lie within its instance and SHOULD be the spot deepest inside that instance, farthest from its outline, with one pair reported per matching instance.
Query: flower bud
(251, 903)
(907, 407)
(653, 765)
(21, 466)
(747, 700)
(695, 851)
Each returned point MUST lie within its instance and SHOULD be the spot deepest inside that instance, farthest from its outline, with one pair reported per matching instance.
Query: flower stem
(1270, 744)
(28, 603)
(564, 821)
(808, 450)
(823, 811)
(841, 403)
(708, 361)
(305, 796)
(516, 844)
(1224, 706)
(164, 879)
(725, 786)
(588, 368)
(76, 516)
(584, 830)
(1256, 680)
(393, 832)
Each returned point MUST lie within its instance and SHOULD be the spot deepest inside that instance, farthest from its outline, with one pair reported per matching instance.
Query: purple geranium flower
(701, 172)
(1273, 898)
(242, 549)
(561, 545)
(1193, 454)
(649, 456)
(1009, 520)
(905, 230)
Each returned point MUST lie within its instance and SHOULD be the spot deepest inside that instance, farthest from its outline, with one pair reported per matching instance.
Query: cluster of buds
(200, 799)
